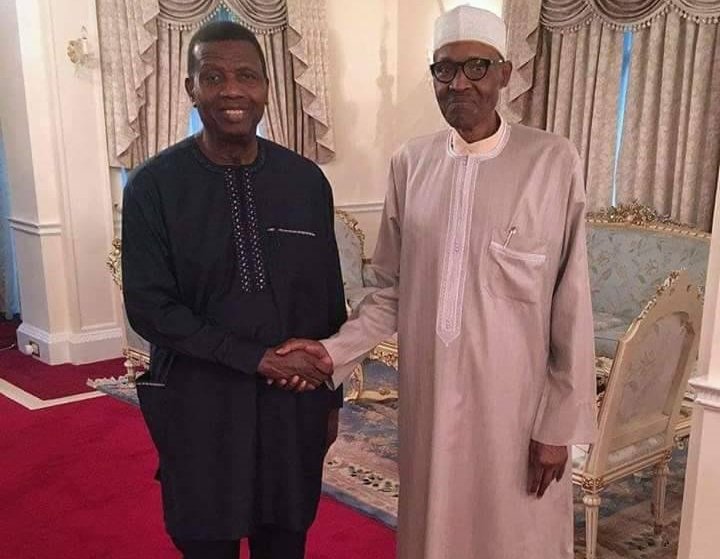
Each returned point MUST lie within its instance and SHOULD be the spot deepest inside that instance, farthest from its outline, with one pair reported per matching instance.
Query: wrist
(264, 365)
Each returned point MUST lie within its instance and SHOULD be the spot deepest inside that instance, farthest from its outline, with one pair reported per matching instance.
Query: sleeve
(567, 409)
(375, 319)
(152, 300)
(335, 289)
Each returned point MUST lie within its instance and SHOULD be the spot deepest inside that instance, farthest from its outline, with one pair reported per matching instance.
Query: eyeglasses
(474, 69)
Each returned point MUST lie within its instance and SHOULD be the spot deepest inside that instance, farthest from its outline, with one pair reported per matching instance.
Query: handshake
(297, 365)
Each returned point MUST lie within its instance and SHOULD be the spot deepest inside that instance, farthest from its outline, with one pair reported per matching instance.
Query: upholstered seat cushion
(621, 456)
(354, 295)
(608, 330)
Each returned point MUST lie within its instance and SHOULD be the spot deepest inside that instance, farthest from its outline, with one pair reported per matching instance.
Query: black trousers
(268, 542)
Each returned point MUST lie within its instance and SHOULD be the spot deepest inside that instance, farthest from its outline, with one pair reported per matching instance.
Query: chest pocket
(517, 269)
(298, 253)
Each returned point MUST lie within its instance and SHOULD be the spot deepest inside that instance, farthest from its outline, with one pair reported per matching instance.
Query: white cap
(467, 23)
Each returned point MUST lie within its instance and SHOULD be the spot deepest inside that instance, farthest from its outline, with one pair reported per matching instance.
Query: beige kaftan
(483, 264)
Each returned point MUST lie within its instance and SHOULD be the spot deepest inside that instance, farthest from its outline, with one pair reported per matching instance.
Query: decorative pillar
(699, 535)
(61, 208)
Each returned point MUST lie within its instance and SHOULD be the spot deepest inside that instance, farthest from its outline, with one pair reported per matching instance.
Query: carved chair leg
(660, 478)
(592, 506)
(130, 372)
(357, 381)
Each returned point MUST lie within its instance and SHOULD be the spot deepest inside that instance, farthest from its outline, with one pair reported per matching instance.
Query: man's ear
(506, 69)
(190, 88)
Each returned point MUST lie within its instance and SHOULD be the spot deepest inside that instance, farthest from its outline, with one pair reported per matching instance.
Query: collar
(460, 147)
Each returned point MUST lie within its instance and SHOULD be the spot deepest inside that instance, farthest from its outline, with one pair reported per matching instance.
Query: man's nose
(460, 82)
(233, 88)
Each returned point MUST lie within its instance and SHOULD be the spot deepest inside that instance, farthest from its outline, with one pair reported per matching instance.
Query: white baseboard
(71, 347)
(707, 391)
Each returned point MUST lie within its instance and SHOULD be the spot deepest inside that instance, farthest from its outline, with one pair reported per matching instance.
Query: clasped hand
(297, 365)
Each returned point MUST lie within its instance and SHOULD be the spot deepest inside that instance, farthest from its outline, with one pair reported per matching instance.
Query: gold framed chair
(358, 280)
(640, 409)
(136, 350)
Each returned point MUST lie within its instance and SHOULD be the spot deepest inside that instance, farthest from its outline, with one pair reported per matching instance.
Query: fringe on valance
(568, 16)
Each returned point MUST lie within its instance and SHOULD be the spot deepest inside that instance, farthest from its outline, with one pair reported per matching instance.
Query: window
(622, 106)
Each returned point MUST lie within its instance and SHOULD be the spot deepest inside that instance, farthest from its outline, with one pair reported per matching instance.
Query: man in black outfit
(228, 250)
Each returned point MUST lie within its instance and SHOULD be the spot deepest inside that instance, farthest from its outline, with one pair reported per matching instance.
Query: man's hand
(295, 370)
(546, 463)
(312, 348)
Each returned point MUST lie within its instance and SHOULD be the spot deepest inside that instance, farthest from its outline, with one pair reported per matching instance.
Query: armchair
(640, 408)
(358, 279)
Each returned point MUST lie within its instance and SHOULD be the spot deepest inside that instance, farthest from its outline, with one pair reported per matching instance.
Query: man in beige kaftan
(482, 261)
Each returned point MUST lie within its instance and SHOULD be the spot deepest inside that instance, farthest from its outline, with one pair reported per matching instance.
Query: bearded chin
(461, 120)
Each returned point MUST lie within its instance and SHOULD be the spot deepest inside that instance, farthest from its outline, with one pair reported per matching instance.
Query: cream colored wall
(381, 93)
(362, 46)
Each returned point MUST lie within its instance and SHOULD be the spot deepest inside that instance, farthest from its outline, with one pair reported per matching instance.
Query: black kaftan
(220, 263)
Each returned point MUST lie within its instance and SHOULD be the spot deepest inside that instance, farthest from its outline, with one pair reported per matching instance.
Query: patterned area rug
(361, 471)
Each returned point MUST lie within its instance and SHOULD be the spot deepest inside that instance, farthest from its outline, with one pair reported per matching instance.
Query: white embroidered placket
(455, 261)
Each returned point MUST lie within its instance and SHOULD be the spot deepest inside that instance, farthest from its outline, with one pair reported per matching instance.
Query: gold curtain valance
(571, 15)
(260, 16)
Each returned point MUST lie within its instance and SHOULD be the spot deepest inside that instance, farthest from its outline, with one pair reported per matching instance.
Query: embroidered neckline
(492, 154)
(253, 167)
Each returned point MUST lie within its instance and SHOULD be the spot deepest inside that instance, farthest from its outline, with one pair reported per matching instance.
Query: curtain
(670, 150)
(624, 14)
(128, 34)
(285, 121)
(671, 146)
(9, 293)
(143, 46)
(523, 24)
(577, 78)
(308, 44)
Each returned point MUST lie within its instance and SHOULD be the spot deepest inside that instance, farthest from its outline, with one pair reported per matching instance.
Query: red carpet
(48, 382)
(42, 380)
(7, 332)
(76, 482)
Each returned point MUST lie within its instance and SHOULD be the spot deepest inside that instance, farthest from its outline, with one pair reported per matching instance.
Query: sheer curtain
(9, 295)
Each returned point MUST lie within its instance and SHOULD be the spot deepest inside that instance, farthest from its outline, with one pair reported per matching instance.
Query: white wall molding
(46, 229)
(362, 207)
(96, 336)
(75, 347)
(40, 335)
(53, 346)
(707, 390)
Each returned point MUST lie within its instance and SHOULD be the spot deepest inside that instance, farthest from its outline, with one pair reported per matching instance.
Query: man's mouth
(461, 101)
(235, 115)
